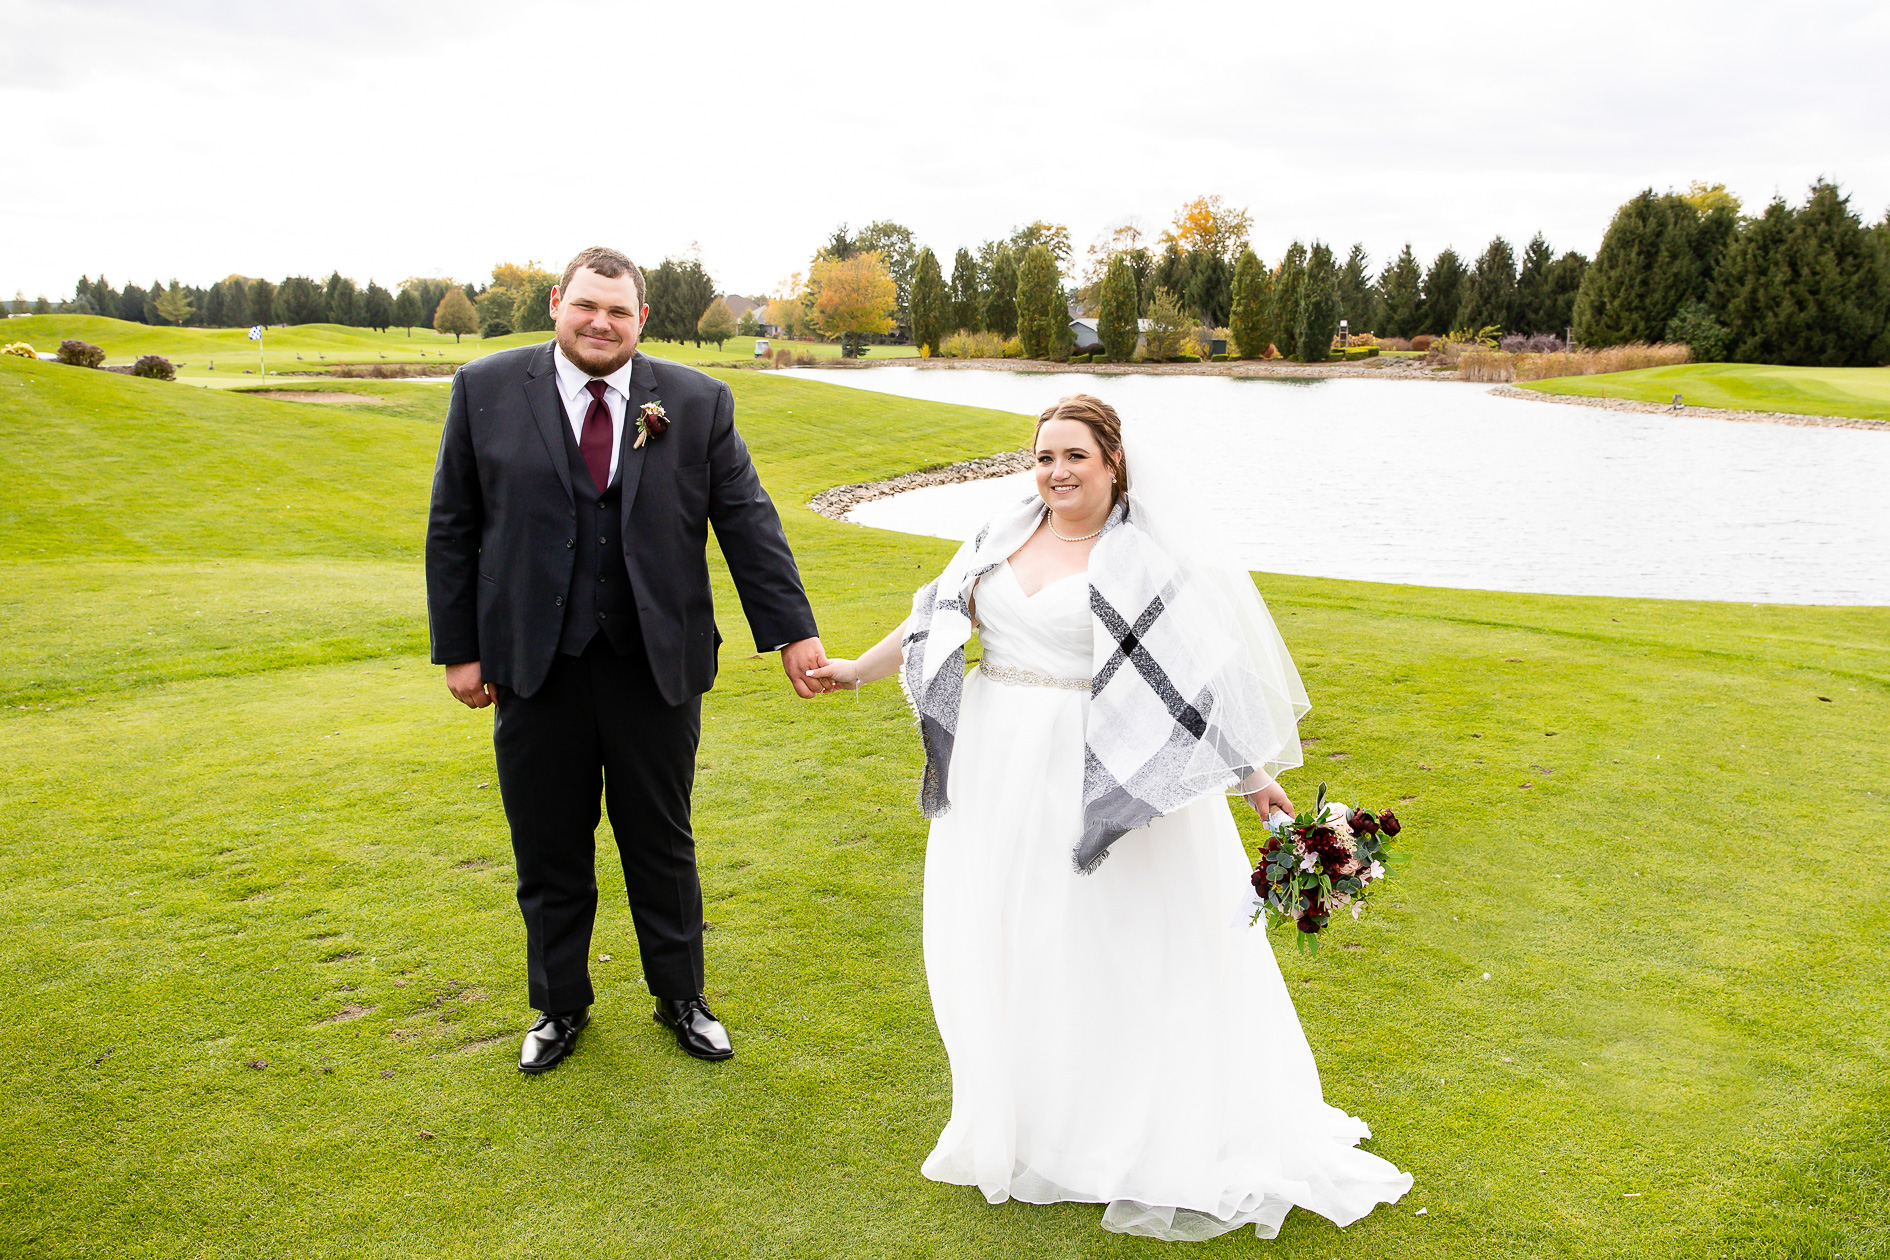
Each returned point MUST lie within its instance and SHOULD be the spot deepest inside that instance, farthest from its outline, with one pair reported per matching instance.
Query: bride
(1118, 1032)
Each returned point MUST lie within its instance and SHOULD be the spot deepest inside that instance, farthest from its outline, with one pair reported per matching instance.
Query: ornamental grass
(1496, 365)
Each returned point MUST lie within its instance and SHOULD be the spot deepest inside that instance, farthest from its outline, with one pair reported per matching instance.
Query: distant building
(1083, 333)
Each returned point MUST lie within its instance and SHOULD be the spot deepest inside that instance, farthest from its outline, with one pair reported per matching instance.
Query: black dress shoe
(550, 1039)
(697, 1029)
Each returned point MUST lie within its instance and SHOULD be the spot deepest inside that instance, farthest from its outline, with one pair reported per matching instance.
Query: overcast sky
(167, 139)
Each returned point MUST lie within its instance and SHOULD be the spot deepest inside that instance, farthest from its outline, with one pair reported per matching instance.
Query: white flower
(1356, 907)
(1377, 870)
(1309, 862)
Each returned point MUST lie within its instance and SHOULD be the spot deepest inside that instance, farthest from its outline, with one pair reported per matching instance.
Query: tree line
(1806, 285)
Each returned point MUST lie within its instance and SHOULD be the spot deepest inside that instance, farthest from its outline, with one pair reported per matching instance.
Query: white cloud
(196, 139)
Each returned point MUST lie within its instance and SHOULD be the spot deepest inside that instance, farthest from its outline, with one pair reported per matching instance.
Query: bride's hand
(1270, 798)
(838, 672)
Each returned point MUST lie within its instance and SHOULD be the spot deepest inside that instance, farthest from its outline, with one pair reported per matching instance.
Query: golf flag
(255, 334)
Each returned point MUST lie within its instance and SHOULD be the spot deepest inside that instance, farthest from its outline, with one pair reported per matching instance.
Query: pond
(1440, 483)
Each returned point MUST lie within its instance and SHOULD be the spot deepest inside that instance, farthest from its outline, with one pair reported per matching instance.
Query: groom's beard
(595, 362)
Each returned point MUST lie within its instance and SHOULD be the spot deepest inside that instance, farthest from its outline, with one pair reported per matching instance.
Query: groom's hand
(468, 686)
(797, 659)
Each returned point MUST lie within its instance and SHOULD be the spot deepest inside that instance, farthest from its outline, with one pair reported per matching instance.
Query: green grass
(244, 822)
(1859, 393)
(222, 356)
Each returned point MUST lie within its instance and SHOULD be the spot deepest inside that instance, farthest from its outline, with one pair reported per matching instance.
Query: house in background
(1084, 336)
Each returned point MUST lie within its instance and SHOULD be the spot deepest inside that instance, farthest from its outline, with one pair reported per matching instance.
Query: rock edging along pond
(1699, 413)
(834, 504)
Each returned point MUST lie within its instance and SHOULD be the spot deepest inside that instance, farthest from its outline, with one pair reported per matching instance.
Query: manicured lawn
(244, 824)
(222, 356)
(1862, 393)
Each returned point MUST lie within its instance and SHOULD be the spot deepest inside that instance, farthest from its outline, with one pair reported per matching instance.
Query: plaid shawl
(1150, 744)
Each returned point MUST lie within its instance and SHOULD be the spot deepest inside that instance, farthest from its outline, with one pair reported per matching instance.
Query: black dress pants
(599, 727)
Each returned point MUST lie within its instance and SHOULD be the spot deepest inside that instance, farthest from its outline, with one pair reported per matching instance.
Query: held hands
(837, 674)
(468, 686)
(801, 660)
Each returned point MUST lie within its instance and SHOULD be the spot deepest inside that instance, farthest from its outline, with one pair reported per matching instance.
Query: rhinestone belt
(1029, 678)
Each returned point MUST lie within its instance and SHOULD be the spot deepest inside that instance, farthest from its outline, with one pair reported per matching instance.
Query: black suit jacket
(501, 531)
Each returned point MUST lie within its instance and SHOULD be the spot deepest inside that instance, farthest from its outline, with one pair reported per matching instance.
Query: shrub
(22, 349)
(78, 354)
(1693, 325)
(1533, 343)
(495, 328)
(1219, 358)
(1394, 343)
(154, 367)
(783, 357)
(1013, 347)
(1420, 343)
(972, 345)
(1495, 365)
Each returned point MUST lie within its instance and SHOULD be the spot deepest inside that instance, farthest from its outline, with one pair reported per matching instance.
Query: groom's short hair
(607, 263)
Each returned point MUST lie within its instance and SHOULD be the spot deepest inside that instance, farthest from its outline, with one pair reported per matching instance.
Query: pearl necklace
(1050, 519)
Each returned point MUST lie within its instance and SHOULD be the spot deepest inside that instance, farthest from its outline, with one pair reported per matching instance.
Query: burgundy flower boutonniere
(650, 423)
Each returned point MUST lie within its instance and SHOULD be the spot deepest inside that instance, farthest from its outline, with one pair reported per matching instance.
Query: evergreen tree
(1357, 302)
(1649, 263)
(262, 303)
(1000, 293)
(660, 286)
(1443, 292)
(377, 307)
(1210, 291)
(1565, 281)
(1042, 320)
(695, 289)
(1117, 325)
(1401, 295)
(1807, 287)
(1288, 281)
(964, 292)
(1535, 298)
(299, 301)
(930, 304)
(342, 301)
(41, 306)
(1170, 271)
(1167, 325)
(455, 314)
(213, 307)
(130, 305)
(1489, 298)
(1318, 306)
(406, 310)
(150, 312)
(1253, 300)
(174, 305)
(236, 302)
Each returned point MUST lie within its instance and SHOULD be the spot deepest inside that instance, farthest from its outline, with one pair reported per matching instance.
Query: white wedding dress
(1123, 1037)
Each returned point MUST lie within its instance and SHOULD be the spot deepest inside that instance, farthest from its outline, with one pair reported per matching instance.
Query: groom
(568, 584)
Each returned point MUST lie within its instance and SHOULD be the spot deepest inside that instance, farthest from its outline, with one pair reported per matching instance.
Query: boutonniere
(650, 423)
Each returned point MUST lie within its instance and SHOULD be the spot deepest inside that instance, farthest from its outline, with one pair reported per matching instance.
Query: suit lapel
(541, 392)
(630, 460)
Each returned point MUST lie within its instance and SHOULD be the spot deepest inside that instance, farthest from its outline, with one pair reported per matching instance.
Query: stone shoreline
(1710, 413)
(834, 504)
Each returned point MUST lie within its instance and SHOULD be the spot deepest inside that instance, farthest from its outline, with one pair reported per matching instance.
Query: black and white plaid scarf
(1152, 743)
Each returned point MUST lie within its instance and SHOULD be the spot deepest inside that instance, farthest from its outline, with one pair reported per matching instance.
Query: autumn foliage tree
(717, 323)
(455, 314)
(857, 298)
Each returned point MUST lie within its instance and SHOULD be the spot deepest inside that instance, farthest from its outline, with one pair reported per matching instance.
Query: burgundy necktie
(594, 446)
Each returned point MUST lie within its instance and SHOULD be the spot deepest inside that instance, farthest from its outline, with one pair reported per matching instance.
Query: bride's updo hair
(1102, 421)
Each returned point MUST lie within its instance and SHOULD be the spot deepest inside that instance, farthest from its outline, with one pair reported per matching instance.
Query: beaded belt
(1030, 678)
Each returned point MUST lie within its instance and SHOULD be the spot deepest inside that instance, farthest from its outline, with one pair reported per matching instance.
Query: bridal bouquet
(1321, 862)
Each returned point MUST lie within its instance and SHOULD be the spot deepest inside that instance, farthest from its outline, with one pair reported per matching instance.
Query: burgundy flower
(1260, 879)
(1362, 822)
(1389, 821)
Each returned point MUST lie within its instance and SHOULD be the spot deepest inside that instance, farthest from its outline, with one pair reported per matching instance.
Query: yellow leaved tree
(857, 299)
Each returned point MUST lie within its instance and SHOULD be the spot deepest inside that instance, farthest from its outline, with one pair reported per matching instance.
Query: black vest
(600, 597)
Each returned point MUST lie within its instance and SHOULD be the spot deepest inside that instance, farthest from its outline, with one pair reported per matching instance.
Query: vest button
(602, 541)
(559, 601)
(570, 542)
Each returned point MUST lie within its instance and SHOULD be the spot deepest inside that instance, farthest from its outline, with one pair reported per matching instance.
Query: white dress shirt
(572, 380)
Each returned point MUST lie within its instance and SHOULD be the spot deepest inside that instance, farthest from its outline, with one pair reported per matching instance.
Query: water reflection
(1441, 484)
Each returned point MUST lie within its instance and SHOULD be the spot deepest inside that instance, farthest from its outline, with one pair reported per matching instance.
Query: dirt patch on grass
(352, 1010)
(312, 395)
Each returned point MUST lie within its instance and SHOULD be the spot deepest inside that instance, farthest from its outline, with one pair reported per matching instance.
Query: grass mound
(1859, 393)
(268, 974)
